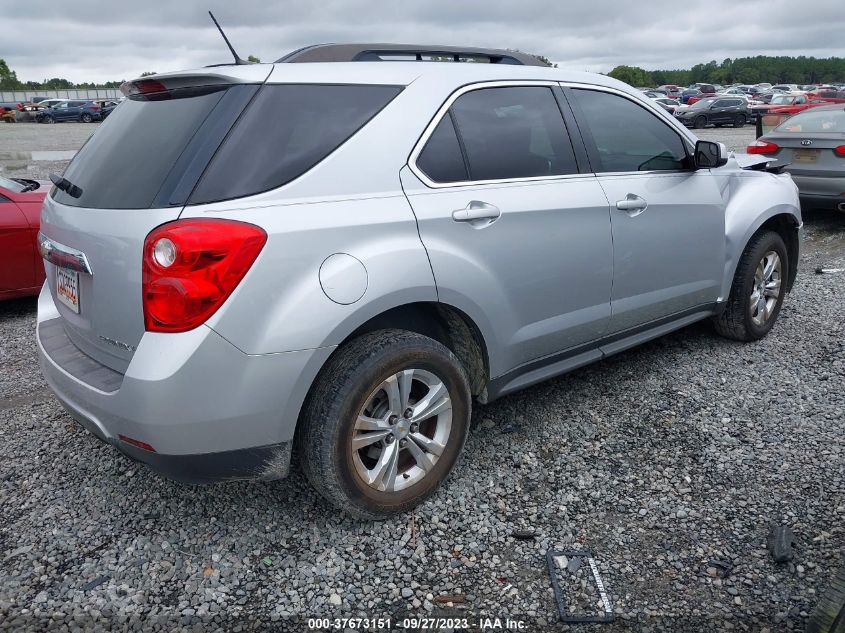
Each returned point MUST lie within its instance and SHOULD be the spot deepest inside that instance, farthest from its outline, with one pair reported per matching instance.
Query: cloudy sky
(99, 40)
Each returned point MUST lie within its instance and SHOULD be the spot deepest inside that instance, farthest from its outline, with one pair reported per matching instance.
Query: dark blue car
(85, 111)
(689, 92)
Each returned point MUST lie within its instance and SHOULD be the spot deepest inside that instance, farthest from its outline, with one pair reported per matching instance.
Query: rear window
(128, 162)
(286, 131)
(815, 122)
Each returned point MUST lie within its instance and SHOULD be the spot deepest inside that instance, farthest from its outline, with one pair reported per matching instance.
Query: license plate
(67, 288)
(805, 155)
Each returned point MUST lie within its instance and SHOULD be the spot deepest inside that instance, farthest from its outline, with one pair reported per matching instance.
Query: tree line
(745, 70)
(9, 81)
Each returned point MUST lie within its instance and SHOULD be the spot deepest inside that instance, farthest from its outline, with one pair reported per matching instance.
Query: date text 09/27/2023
(435, 624)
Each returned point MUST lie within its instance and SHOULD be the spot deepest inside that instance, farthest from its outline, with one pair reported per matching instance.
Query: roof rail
(406, 52)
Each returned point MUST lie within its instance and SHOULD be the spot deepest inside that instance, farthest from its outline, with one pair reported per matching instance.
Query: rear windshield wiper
(66, 185)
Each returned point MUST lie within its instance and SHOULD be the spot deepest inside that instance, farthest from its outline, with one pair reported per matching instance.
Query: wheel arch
(785, 220)
(444, 323)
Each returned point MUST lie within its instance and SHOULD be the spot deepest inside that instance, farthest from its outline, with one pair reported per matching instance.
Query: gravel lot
(671, 462)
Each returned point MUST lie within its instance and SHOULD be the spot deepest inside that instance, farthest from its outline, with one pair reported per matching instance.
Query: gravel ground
(671, 462)
(17, 138)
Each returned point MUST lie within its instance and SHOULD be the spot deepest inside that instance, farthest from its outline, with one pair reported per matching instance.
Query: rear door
(17, 271)
(720, 111)
(668, 221)
(517, 236)
(135, 173)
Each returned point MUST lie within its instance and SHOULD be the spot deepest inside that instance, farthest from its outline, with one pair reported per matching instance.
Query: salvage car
(811, 144)
(670, 105)
(22, 272)
(717, 111)
(332, 255)
(83, 111)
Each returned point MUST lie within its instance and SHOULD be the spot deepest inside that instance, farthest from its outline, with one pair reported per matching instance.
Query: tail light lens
(190, 267)
(839, 150)
(762, 147)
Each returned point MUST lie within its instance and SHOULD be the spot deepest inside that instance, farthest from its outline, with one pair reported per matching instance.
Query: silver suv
(334, 254)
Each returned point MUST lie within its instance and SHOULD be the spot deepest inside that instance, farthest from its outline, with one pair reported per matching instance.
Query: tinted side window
(513, 132)
(627, 136)
(441, 158)
(287, 130)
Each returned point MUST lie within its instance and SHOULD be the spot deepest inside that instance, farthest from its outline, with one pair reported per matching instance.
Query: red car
(22, 269)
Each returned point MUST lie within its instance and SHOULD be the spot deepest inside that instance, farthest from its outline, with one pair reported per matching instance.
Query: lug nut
(409, 412)
(392, 420)
(389, 439)
(415, 427)
(403, 443)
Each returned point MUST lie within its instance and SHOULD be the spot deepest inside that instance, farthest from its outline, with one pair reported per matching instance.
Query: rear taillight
(839, 150)
(762, 147)
(190, 267)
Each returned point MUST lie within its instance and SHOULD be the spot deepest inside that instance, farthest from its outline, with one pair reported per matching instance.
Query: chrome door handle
(477, 212)
(632, 204)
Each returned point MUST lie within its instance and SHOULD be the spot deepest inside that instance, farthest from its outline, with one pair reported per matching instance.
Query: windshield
(782, 99)
(11, 185)
(815, 122)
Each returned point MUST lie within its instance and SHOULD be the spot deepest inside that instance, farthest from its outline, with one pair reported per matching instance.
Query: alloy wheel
(402, 430)
(766, 288)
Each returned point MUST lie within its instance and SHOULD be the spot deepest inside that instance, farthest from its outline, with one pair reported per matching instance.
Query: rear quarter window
(286, 131)
(126, 162)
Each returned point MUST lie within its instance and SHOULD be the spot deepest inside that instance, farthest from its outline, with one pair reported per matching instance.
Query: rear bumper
(810, 202)
(819, 189)
(209, 411)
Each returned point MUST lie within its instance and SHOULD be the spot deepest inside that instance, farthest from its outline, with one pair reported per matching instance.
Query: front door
(517, 238)
(668, 220)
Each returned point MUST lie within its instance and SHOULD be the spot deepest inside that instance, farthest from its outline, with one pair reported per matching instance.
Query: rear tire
(404, 388)
(829, 614)
(86, 118)
(47, 119)
(739, 121)
(700, 122)
(752, 308)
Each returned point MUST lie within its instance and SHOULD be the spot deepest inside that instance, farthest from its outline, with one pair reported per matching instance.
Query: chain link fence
(34, 96)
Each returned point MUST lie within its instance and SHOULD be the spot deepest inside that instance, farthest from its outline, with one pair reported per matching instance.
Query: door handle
(632, 204)
(477, 212)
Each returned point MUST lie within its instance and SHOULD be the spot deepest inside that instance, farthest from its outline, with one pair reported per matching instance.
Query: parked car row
(57, 110)
(739, 104)
(72, 110)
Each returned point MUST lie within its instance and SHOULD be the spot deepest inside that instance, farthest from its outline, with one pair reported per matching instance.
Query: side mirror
(709, 154)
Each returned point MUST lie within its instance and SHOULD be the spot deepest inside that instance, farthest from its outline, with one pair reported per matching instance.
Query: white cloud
(88, 40)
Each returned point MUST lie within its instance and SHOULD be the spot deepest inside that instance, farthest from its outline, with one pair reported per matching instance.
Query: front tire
(385, 423)
(86, 118)
(700, 122)
(758, 289)
(739, 121)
